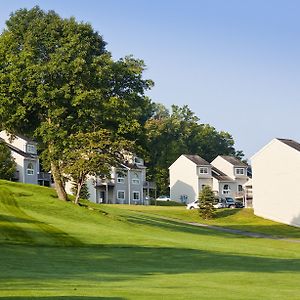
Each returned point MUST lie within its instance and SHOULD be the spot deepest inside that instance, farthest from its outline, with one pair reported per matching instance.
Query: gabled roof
(219, 175)
(196, 159)
(291, 143)
(234, 161)
(17, 150)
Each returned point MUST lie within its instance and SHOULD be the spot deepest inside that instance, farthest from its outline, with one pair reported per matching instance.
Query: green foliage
(83, 193)
(92, 154)
(57, 80)
(170, 134)
(206, 200)
(7, 163)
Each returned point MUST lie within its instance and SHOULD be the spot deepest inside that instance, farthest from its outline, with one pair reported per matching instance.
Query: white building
(24, 152)
(127, 184)
(276, 177)
(236, 176)
(188, 175)
(226, 176)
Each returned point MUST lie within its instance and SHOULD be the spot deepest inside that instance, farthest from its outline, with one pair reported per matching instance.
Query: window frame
(120, 191)
(203, 168)
(226, 191)
(30, 171)
(138, 193)
(135, 180)
(237, 171)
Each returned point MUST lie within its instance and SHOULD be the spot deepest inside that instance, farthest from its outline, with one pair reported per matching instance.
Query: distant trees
(206, 200)
(7, 163)
(170, 134)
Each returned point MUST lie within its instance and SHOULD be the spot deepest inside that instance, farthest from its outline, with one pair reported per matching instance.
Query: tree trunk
(59, 184)
(79, 186)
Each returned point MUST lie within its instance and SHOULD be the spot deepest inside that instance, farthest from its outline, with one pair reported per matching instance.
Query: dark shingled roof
(219, 175)
(290, 143)
(17, 150)
(234, 161)
(199, 161)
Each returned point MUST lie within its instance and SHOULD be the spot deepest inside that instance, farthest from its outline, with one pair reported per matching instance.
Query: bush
(206, 200)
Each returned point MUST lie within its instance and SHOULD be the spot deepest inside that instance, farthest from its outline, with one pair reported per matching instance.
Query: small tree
(84, 192)
(92, 154)
(206, 199)
(7, 163)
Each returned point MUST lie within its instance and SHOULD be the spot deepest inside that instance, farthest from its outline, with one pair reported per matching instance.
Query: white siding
(276, 178)
(224, 166)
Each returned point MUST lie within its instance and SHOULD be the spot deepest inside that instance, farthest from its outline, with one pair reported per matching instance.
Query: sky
(234, 63)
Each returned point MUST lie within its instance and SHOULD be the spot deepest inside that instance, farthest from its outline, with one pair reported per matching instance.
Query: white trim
(239, 169)
(139, 193)
(121, 191)
(30, 171)
(203, 168)
(121, 180)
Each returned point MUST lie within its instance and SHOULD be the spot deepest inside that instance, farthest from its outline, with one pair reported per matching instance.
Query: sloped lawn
(55, 250)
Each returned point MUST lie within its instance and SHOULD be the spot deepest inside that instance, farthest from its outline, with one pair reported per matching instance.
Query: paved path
(233, 231)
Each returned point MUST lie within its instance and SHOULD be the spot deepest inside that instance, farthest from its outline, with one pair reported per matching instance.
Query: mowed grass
(241, 219)
(55, 250)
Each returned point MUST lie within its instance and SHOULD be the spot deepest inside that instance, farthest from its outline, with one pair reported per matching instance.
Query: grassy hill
(55, 250)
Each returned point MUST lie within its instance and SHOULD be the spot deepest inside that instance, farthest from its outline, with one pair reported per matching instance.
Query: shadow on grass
(39, 267)
(61, 298)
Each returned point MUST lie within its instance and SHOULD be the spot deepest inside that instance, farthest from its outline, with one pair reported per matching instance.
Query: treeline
(179, 131)
(59, 85)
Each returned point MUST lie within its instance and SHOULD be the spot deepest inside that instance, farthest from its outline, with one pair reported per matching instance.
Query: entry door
(102, 197)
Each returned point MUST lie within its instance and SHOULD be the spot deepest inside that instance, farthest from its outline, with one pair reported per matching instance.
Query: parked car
(239, 204)
(219, 205)
(163, 198)
(193, 205)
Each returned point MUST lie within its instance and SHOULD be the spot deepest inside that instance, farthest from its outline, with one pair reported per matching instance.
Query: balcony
(101, 182)
(45, 176)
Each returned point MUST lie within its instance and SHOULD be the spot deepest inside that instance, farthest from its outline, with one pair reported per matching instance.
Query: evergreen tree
(206, 200)
(7, 163)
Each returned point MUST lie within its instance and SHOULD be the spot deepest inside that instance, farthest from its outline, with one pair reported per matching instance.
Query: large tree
(57, 79)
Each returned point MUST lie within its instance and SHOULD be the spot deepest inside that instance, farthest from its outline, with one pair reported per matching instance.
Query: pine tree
(206, 200)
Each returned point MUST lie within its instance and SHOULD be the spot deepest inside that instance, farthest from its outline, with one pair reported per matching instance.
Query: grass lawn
(242, 219)
(55, 250)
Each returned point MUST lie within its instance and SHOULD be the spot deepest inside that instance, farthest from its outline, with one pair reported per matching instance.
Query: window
(138, 161)
(226, 189)
(120, 178)
(239, 171)
(240, 188)
(30, 169)
(121, 195)
(136, 195)
(135, 178)
(31, 149)
(203, 170)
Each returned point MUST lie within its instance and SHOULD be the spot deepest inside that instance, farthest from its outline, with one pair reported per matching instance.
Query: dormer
(203, 168)
(31, 148)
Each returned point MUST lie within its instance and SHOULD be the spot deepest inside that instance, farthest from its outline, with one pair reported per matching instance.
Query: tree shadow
(60, 298)
(122, 262)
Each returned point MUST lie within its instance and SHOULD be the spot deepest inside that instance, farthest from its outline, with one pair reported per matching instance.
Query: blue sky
(234, 63)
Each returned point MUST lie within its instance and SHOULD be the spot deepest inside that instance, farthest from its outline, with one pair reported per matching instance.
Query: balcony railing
(44, 176)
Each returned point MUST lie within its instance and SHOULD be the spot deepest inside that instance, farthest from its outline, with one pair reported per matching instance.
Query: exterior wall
(232, 186)
(275, 182)
(183, 180)
(204, 181)
(33, 179)
(224, 166)
(17, 142)
(19, 159)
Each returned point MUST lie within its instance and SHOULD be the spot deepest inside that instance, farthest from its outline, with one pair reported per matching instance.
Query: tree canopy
(170, 134)
(57, 79)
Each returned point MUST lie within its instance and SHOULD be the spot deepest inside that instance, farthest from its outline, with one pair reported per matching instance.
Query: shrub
(206, 200)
